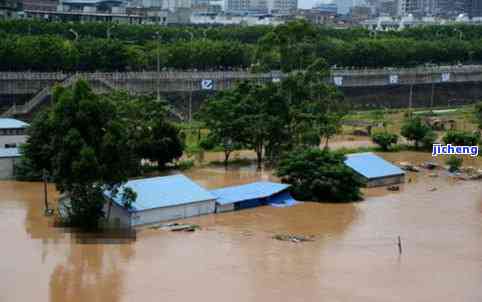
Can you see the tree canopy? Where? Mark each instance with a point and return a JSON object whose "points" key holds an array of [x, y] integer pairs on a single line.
{"points": [[319, 175]]}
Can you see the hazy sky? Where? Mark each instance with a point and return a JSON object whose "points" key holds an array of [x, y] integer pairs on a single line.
{"points": [[309, 3]]}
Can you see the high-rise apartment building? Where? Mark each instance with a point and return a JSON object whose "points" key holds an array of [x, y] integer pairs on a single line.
{"points": [[283, 6], [475, 8]]}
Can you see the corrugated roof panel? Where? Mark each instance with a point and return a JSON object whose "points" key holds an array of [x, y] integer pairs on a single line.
{"points": [[165, 191], [10, 123], [372, 166], [9, 152], [250, 191]]}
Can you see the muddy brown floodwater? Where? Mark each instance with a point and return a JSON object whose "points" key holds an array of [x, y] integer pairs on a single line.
{"points": [[233, 257]]}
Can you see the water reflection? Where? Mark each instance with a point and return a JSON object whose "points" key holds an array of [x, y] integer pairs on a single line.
{"points": [[90, 273]]}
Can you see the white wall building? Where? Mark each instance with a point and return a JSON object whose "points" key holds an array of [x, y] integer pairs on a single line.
{"points": [[12, 133], [161, 199], [8, 159]]}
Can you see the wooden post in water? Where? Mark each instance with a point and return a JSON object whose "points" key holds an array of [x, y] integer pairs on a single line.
{"points": [[44, 177], [399, 245]]}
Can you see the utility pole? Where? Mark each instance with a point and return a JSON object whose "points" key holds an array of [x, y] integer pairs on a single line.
{"points": [[109, 28], [432, 98], [158, 66]]}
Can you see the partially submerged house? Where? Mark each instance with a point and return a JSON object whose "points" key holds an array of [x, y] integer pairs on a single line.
{"points": [[12, 132], [375, 170], [8, 159], [161, 199], [252, 195]]}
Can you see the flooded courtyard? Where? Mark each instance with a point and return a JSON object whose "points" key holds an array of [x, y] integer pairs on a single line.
{"points": [[354, 255]]}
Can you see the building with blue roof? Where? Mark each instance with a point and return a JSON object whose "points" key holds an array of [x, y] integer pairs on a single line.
{"points": [[12, 132], [252, 195], [375, 170], [161, 199]]}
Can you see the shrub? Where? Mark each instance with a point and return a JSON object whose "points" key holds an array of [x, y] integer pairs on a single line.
{"points": [[454, 163], [414, 129], [319, 175], [385, 139], [462, 138]]}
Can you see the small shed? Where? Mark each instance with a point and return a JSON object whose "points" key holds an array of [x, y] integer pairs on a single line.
{"points": [[161, 199], [8, 159], [252, 195], [375, 170]]}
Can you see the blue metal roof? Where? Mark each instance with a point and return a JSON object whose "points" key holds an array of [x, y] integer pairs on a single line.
{"points": [[165, 191], [250, 191], [10, 123], [372, 166], [9, 152]]}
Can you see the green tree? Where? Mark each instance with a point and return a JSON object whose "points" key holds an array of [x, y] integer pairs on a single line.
{"points": [[151, 136], [81, 141], [319, 175], [385, 139], [220, 116], [414, 129]]}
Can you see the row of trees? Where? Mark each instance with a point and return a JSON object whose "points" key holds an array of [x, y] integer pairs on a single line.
{"points": [[141, 34], [53, 53], [43, 46], [88, 144]]}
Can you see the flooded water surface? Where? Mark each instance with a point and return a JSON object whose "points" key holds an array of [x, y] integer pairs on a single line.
{"points": [[354, 255]]}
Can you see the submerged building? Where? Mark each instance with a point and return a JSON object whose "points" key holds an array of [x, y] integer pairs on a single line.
{"points": [[12, 132], [252, 195], [375, 170], [160, 199]]}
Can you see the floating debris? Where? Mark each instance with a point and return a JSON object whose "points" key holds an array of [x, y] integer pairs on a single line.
{"points": [[430, 165], [185, 228], [409, 167], [293, 238], [176, 227], [433, 189], [433, 175], [393, 188]]}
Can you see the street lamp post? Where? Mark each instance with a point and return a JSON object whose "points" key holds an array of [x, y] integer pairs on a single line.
{"points": [[109, 28], [191, 35], [158, 35], [76, 34]]}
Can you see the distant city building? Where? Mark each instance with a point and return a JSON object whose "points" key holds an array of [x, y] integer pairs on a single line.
{"points": [[344, 6], [246, 6], [475, 9], [330, 8], [9, 8], [317, 16], [283, 6], [40, 5], [387, 8], [360, 13]]}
